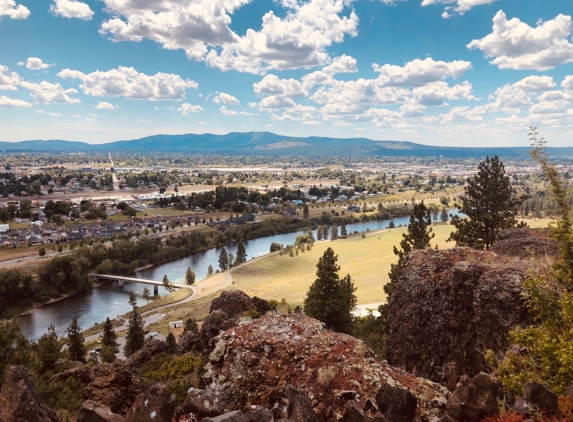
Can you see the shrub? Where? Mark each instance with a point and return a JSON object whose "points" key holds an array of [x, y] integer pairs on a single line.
{"points": [[165, 367]]}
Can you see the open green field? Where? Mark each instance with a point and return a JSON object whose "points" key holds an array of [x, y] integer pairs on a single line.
{"points": [[366, 260]]}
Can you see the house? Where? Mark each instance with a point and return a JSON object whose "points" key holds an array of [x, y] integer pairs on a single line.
{"points": [[176, 324], [290, 213], [4, 228]]}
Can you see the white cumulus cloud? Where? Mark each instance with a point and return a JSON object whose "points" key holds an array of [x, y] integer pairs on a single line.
{"points": [[514, 44], [536, 83], [226, 99], [12, 10], [459, 6], [8, 81], [186, 109], [225, 112], [421, 72], [104, 105], [11, 102], [129, 83], [71, 9], [47, 93], [34, 63], [273, 85]]}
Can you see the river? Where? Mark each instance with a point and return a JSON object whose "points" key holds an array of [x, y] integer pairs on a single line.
{"points": [[108, 300]]}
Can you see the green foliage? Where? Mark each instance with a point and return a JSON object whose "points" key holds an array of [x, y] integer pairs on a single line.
{"points": [[108, 354], [544, 351], [223, 260], [191, 325], [132, 298], [189, 277], [109, 337], [49, 350], [275, 247], [210, 271], [241, 254], [489, 204], [331, 299], [66, 395], [76, 348], [42, 252], [418, 236], [252, 314], [165, 367], [180, 389], [14, 348], [372, 331], [135, 337]]}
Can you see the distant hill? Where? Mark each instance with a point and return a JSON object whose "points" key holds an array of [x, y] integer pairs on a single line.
{"points": [[266, 143]]}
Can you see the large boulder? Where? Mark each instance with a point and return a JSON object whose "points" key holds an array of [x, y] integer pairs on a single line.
{"points": [[115, 385], [235, 303], [257, 361], [473, 399], [190, 343], [203, 404], [154, 405], [448, 307], [396, 404], [92, 411], [521, 242], [146, 353], [20, 399], [215, 322], [537, 398]]}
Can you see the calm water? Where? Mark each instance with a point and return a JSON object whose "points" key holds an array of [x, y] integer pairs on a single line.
{"points": [[109, 300]]}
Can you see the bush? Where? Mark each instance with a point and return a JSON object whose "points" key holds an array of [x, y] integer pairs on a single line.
{"points": [[165, 367], [42, 252]]}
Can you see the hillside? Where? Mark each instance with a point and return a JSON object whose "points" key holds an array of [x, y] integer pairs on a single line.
{"points": [[266, 143]]}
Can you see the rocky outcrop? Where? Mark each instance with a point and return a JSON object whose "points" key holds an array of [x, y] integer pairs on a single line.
{"points": [[190, 343], [519, 243], [536, 398], [254, 363], [203, 404], [115, 385], [215, 322], [235, 303], [154, 405], [20, 399], [147, 352], [474, 399], [396, 404], [92, 411], [448, 307]]}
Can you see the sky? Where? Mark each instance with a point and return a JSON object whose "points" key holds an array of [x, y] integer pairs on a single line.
{"points": [[438, 72]]}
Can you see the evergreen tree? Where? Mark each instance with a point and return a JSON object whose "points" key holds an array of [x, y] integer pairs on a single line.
{"points": [[171, 343], [210, 271], [49, 349], [76, 347], [189, 277], [418, 236], [132, 298], [330, 299], [319, 234], [223, 260], [241, 254], [108, 354], [489, 204], [231, 258], [135, 337], [146, 294], [343, 231], [444, 217], [191, 325], [333, 233], [109, 337], [325, 232], [310, 234], [305, 212], [14, 347]]}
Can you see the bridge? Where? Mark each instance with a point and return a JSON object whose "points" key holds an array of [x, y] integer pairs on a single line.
{"points": [[122, 280]]}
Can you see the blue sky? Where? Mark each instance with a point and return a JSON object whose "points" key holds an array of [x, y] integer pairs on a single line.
{"points": [[441, 72]]}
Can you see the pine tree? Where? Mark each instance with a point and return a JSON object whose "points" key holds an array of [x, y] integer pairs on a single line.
{"points": [[210, 271], [231, 258], [223, 260], [146, 294], [305, 212], [49, 349], [310, 234], [132, 299], [171, 343], [191, 326], [76, 347], [330, 299], [319, 234], [333, 233], [418, 236], [241, 254], [109, 337], [135, 337], [343, 231], [189, 277], [489, 204], [444, 217]]}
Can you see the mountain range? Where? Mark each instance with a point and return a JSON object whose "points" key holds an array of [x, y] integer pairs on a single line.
{"points": [[266, 143]]}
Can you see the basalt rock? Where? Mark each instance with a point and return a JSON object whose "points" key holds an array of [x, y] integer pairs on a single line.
{"points": [[190, 343], [234, 303], [215, 322], [147, 352], [154, 405], [521, 242], [92, 411], [115, 385], [536, 397], [396, 404], [448, 306], [203, 404], [294, 366], [474, 399], [20, 399]]}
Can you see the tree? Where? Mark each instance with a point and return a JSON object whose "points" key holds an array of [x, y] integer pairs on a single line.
{"points": [[275, 247], [489, 204], [305, 212], [189, 277], [391, 224], [418, 236], [76, 347], [171, 343], [319, 234], [146, 294], [330, 299], [135, 337], [42, 252], [210, 271], [191, 326], [241, 254], [108, 354], [231, 258], [333, 233], [223, 260], [109, 337], [49, 349], [444, 216], [132, 299], [343, 231], [167, 285]]}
